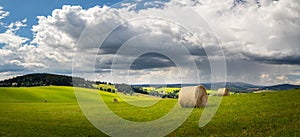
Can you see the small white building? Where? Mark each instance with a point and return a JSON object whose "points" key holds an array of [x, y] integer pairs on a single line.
{"points": [[14, 84]]}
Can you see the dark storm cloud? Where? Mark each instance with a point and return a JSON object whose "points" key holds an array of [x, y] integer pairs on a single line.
{"points": [[195, 50], [286, 60], [117, 38], [151, 60], [145, 61], [124, 33], [102, 71]]}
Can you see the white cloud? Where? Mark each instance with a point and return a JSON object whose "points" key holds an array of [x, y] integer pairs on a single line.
{"points": [[282, 78], [11, 40], [15, 52], [265, 76], [297, 82], [3, 13], [9, 37], [271, 31]]}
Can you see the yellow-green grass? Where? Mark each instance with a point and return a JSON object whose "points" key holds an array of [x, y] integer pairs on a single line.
{"points": [[23, 112], [148, 89], [37, 94], [167, 89], [214, 92], [162, 89], [210, 91]]}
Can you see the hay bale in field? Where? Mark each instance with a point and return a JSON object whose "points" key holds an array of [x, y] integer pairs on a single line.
{"points": [[223, 92], [193, 97], [115, 100]]}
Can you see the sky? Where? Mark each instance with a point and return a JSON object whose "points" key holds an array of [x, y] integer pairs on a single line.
{"points": [[143, 41]]}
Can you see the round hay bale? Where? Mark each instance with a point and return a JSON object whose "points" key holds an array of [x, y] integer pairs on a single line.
{"points": [[193, 97], [115, 100], [223, 92]]}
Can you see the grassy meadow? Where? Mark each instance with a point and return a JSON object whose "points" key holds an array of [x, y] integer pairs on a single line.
{"points": [[54, 111], [162, 89]]}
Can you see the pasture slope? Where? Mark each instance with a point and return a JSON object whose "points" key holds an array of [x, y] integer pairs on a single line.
{"points": [[53, 111]]}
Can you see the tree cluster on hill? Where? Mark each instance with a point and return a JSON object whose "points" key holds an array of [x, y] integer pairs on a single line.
{"points": [[138, 89], [43, 79], [101, 82], [173, 94]]}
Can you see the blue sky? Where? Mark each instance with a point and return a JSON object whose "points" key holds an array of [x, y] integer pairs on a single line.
{"points": [[30, 9]]}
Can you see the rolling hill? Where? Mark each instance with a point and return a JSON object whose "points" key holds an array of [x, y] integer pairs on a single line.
{"points": [[281, 87]]}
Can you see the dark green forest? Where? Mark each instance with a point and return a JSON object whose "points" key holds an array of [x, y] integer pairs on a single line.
{"points": [[44, 79]]}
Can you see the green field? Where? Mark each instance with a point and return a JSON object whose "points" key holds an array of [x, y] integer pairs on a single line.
{"points": [[53, 111], [161, 89], [148, 89], [167, 89]]}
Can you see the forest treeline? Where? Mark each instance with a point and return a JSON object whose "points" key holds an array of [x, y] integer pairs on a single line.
{"points": [[44, 79]]}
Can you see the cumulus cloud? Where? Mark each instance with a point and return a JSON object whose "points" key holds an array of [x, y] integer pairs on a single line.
{"points": [[297, 82], [269, 33], [3, 13], [12, 57], [9, 37], [15, 26]]}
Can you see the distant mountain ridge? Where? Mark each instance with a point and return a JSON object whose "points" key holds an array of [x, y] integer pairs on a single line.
{"points": [[232, 86], [281, 87]]}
